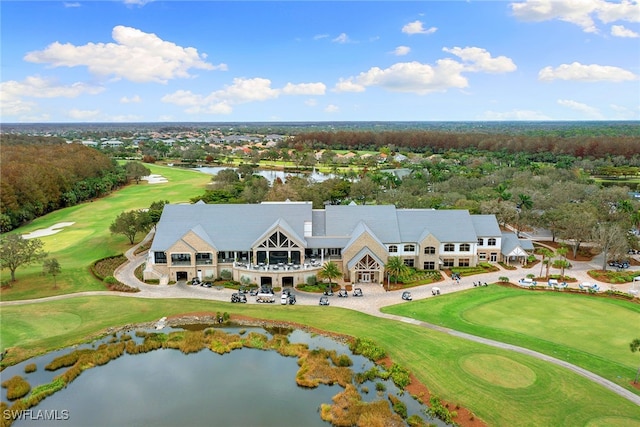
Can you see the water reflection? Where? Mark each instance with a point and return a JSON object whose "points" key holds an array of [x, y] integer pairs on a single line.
{"points": [[246, 387], [272, 175]]}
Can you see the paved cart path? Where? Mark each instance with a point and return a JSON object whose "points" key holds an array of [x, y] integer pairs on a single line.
{"points": [[375, 298]]}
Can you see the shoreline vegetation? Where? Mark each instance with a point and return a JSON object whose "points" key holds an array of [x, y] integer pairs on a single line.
{"points": [[318, 366]]}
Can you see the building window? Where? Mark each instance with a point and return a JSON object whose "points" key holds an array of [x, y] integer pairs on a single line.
{"points": [[429, 265], [449, 247], [180, 259], [447, 262], [408, 262], [480, 242], [160, 257], [463, 262], [465, 247], [393, 249], [429, 250], [409, 248], [482, 256], [494, 257], [335, 251], [204, 258], [492, 242]]}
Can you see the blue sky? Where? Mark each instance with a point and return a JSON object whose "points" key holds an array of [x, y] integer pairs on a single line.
{"points": [[155, 61]]}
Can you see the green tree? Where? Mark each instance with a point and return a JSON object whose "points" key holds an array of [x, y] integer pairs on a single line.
{"points": [[155, 211], [52, 266], [546, 260], [136, 170], [635, 346], [130, 224], [16, 251], [330, 270], [396, 267]]}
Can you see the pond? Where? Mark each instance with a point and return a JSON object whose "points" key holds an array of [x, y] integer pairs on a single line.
{"points": [[272, 175], [165, 387]]}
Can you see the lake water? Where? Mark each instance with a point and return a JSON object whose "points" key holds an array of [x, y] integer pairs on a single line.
{"points": [[271, 175], [246, 387]]}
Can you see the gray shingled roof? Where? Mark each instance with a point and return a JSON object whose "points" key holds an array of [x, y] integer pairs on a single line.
{"points": [[486, 225], [445, 225], [230, 227], [510, 242], [381, 219]]}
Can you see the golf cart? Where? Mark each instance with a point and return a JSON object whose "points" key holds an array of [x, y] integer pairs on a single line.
{"points": [[342, 293], [328, 291], [324, 301], [238, 297], [357, 292], [406, 295], [435, 291]]}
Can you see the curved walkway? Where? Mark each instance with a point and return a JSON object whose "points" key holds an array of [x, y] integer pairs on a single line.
{"points": [[375, 298]]}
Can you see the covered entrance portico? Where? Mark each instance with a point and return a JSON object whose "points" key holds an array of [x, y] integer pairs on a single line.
{"points": [[366, 267]]}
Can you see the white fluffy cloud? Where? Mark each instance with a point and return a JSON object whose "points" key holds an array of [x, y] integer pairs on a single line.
{"points": [[38, 87], [413, 77], [478, 59], [586, 110], [586, 73], [304, 89], [136, 56], [621, 31], [417, 27], [578, 12], [12, 93], [422, 79], [401, 50], [331, 108], [241, 91]]}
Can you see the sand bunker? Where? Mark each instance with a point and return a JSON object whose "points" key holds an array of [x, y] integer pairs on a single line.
{"points": [[155, 179], [47, 231]]}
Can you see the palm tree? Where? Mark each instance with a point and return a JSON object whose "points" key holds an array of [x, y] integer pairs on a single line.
{"points": [[546, 253], [524, 201], [395, 266], [330, 270], [503, 194], [635, 346], [562, 251]]}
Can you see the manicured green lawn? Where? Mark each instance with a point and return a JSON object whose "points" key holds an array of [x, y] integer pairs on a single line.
{"points": [[89, 239], [592, 332], [500, 387]]}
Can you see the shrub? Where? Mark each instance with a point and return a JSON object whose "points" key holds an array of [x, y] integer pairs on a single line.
{"points": [[31, 367], [312, 281], [226, 274], [367, 348], [503, 279], [380, 386], [106, 266], [399, 376], [110, 280]]}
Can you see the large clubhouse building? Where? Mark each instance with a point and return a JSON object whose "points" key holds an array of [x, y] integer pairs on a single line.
{"points": [[283, 243]]}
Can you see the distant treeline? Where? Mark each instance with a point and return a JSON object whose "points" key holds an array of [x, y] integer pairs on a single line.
{"points": [[439, 142], [41, 174]]}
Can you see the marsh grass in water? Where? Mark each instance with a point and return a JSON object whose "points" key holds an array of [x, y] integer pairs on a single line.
{"points": [[348, 409], [17, 387], [317, 366]]}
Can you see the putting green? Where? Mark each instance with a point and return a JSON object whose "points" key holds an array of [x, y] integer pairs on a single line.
{"points": [[39, 325], [498, 370]]}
